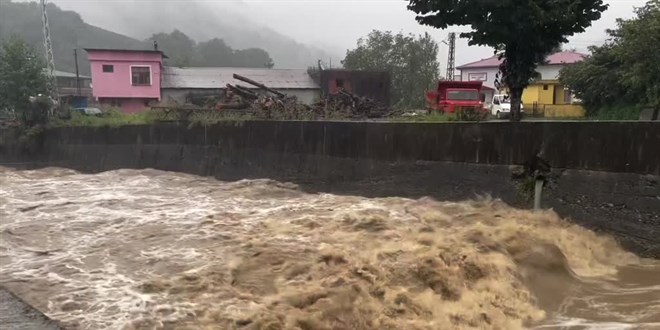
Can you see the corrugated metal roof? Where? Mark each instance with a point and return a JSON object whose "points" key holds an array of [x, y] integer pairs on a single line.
{"points": [[117, 50], [565, 58], [201, 78], [556, 58]]}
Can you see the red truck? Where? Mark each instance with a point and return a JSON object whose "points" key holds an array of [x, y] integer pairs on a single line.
{"points": [[454, 95]]}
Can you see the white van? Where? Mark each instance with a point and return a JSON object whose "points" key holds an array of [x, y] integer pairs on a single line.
{"points": [[501, 106]]}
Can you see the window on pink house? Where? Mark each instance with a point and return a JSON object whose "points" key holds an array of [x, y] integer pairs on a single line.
{"points": [[108, 68], [141, 75]]}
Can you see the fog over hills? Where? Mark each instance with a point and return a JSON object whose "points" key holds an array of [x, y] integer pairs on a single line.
{"points": [[201, 20]]}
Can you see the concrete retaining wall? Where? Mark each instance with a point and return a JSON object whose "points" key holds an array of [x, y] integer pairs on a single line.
{"points": [[602, 175], [15, 314]]}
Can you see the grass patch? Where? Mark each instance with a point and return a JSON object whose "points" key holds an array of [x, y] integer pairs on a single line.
{"points": [[435, 117], [111, 118]]}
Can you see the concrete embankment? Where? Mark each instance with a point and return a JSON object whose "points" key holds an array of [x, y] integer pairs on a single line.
{"points": [[17, 315], [603, 175]]}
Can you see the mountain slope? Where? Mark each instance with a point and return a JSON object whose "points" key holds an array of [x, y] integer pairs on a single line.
{"points": [[201, 20], [68, 31]]}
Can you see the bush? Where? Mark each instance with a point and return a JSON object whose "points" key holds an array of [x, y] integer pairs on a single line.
{"points": [[617, 112]]}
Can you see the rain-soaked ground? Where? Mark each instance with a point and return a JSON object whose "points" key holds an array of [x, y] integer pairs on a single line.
{"points": [[146, 249]]}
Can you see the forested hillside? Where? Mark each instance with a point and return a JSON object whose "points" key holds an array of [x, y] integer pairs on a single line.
{"points": [[69, 31]]}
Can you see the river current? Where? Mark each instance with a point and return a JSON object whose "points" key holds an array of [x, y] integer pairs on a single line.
{"points": [[146, 249]]}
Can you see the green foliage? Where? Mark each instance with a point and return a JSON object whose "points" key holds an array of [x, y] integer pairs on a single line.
{"points": [[214, 52], [617, 112], [623, 74], [185, 52], [177, 46], [597, 80], [114, 118], [68, 31], [21, 75], [521, 32], [637, 44], [111, 118], [230, 120], [411, 61]]}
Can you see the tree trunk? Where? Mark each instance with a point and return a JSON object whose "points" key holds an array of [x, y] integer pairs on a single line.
{"points": [[516, 101], [655, 113]]}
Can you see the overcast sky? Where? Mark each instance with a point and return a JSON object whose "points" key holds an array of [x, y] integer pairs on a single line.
{"points": [[336, 24]]}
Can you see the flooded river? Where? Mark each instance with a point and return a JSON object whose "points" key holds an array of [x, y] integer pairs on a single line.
{"points": [[145, 249]]}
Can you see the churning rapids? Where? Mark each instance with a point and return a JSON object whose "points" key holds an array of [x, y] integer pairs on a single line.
{"points": [[145, 249]]}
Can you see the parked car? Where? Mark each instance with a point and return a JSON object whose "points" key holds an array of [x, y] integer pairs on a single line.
{"points": [[501, 106]]}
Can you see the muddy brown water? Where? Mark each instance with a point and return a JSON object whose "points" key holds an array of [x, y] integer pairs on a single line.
{"points": [[146, 249]]}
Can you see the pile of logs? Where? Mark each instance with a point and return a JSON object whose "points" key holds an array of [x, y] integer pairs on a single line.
{"points": [[274, 104], [345, 104]]}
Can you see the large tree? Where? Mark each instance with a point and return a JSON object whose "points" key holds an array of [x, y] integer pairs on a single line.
{"points": [[522, 32], [180, 48], [214, 52], [184, 51], [625, 70], [252, 57], [411, 60], [21, 75]]}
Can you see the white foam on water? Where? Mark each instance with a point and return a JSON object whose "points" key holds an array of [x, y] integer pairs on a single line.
{"points": [[93, 251]]}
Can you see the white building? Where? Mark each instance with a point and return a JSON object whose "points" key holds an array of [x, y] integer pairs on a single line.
{"points": [[547, 89]]}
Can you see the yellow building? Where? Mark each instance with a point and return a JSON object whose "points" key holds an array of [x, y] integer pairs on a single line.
{"points": [[546, 97], [549, 98]]}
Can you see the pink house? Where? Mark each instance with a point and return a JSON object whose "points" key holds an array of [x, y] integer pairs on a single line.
{"points": [[129, 79]]}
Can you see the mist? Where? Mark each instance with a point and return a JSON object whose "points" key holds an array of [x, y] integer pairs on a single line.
{"points": [[322, 29]]}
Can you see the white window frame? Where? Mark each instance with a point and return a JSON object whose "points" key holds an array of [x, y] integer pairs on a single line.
{"points": [[130, 76]]}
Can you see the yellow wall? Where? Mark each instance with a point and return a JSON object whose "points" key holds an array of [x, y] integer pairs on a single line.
{"points": [[564, 110], [550, 102], [559, 94], [530, 94], [536, 94], [546, 96]]}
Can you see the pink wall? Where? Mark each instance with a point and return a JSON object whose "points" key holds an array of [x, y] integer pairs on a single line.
{"points": [[118, 84]]}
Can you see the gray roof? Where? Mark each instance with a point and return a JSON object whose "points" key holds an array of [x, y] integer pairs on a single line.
{"points": [[116, 50], [69, 75], [203, 78]]}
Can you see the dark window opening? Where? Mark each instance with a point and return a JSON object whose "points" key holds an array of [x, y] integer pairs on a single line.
{"points": [[340, 83], [108, 68], [545, 87], [141, 75]]}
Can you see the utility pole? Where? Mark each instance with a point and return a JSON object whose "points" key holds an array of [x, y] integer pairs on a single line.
{"points": [[50, 59], [451, 59], [75, 57]]}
